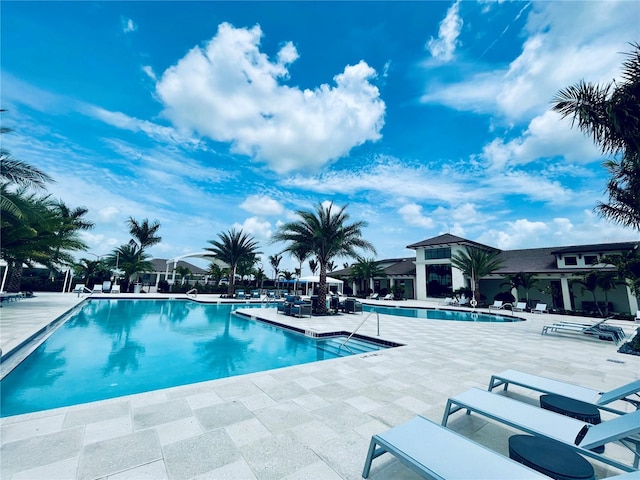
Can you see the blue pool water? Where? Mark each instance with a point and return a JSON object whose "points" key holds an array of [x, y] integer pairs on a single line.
{"points": [[110, 348], [431, 314]]}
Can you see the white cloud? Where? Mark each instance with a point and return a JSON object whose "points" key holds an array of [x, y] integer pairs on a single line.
{"points": [[412, 215], [231, 92], [547, 136], [262, 205], [443, 47], [256, 227], [148, 70], [562, 47], [128, 25]]}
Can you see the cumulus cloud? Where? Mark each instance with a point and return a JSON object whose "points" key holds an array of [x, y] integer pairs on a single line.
{"points": [[412, 215], [443, 47], [231, 92], [256, 227], [262, 205]]}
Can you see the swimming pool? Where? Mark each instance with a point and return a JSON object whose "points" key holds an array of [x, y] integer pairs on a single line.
{"points": [[109, 348], [433, 314]]}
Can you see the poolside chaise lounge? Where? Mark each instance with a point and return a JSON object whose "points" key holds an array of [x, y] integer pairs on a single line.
{"points": [[388, 296], [115, 288], [599, 330], [556, 387], [447, 301], [497, 305], [433, 451], [519, 307], [240, 294], [373, 296], [351, 305], [540, 308], [577, 434], [97, 288]]}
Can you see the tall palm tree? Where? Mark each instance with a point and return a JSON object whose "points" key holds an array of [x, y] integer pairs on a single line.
{"points": [[607, 281], [144, 232], [130, 260], [589, 283], [627, 264], [184, 273], [274, 261], [611, 115], [325, 234], [232, 248], [476, 263], [313, 266]]}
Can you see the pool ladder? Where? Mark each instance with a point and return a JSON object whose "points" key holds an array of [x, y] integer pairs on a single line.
{"points": [[194, 291], [358, 328]]}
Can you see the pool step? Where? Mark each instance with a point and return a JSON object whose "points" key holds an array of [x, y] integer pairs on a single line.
{"points": [[354, 346]]}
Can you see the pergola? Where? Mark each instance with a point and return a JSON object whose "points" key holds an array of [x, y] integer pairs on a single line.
{"points": [[204, 255]]}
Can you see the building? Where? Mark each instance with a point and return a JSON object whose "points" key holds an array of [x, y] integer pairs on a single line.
{"points": [[430, 274]]}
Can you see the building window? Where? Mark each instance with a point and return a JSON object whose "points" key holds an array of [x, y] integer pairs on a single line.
{"points": [[439, 282], [436, 253], [590, 259], [570, 260]]}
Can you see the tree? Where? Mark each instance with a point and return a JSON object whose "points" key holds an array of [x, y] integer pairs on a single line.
{"points": [[232, 248], [274, 261], [476, 263], [628, 267], [331, 266], [130, 260], [325, 234], [216, 272], [610, 114], [521, 279], [313, 266], [589, 283], [184, 273], [366, 269], [144, 232]]}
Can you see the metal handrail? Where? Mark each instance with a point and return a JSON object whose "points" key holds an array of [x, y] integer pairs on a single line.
{"points": [[194, 291], [358, 327]]}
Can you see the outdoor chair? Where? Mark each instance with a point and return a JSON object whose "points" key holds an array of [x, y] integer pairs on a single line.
{"points": [[97, 288], [351, 305], [519, 307], [241, 294], [540, 308], [373, 296], [255, 293], [599, 330], [300, 309], [576, 434], [115, 289], [388, 296], [447, 301], [497, 305], [433, 451], [569, 390]]}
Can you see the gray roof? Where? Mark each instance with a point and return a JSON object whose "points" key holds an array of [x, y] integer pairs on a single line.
{"points": [[448, 239], [597, 247], [530, 260]]}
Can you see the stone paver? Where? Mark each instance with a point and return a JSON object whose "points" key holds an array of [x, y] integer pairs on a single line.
{"points": [[306, 421]]}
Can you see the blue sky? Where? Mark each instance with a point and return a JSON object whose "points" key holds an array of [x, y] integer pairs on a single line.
{"points": [[424, 117]]}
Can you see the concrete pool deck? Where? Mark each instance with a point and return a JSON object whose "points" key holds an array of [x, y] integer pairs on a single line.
{"points": [[311, 421]]}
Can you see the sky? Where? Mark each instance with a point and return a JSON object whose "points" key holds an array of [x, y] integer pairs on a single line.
{"points": [[422, 118]]}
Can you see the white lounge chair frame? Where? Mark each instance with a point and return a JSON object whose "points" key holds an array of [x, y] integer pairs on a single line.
{"points": [[436, 452], [519, 307], [556, 387], [576, 434], [615, 334], [497, 305], [540, 308], [115, 288]]}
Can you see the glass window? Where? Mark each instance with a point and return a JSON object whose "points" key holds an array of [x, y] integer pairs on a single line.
{"points": [[434, 253], [570, 260], [590, 259]]}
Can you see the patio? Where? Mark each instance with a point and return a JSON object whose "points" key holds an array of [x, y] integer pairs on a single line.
{"points": [[307, 421]]}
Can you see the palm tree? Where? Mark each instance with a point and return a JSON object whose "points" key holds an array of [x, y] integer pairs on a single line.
{"points": [[184, 273], [331, 266], [130, 260], [476, 263], [521, 279], [627, 264], [274, 261], [607, 281], [232, 248], [366, 269], [313, 266], [589, 283], [611, 115], [144, 232], [215, 271], [326, 235]]}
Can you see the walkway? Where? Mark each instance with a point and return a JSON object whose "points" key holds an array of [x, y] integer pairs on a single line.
{"points": [[307, 421]]}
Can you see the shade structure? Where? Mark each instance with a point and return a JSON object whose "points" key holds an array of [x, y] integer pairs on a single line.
{"points": [[311, 281]]}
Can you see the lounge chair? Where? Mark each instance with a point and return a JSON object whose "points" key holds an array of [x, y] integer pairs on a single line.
{"points": [[577, 434], [599, 330], [556, 387], [97, 288], [497, 305], [388, 296], [115, 288], [540, 308], [300, 309], [351, 305], [241, 294], [519, 307], [447, 301], [433, 451], [255, 293], [373, 296]]}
